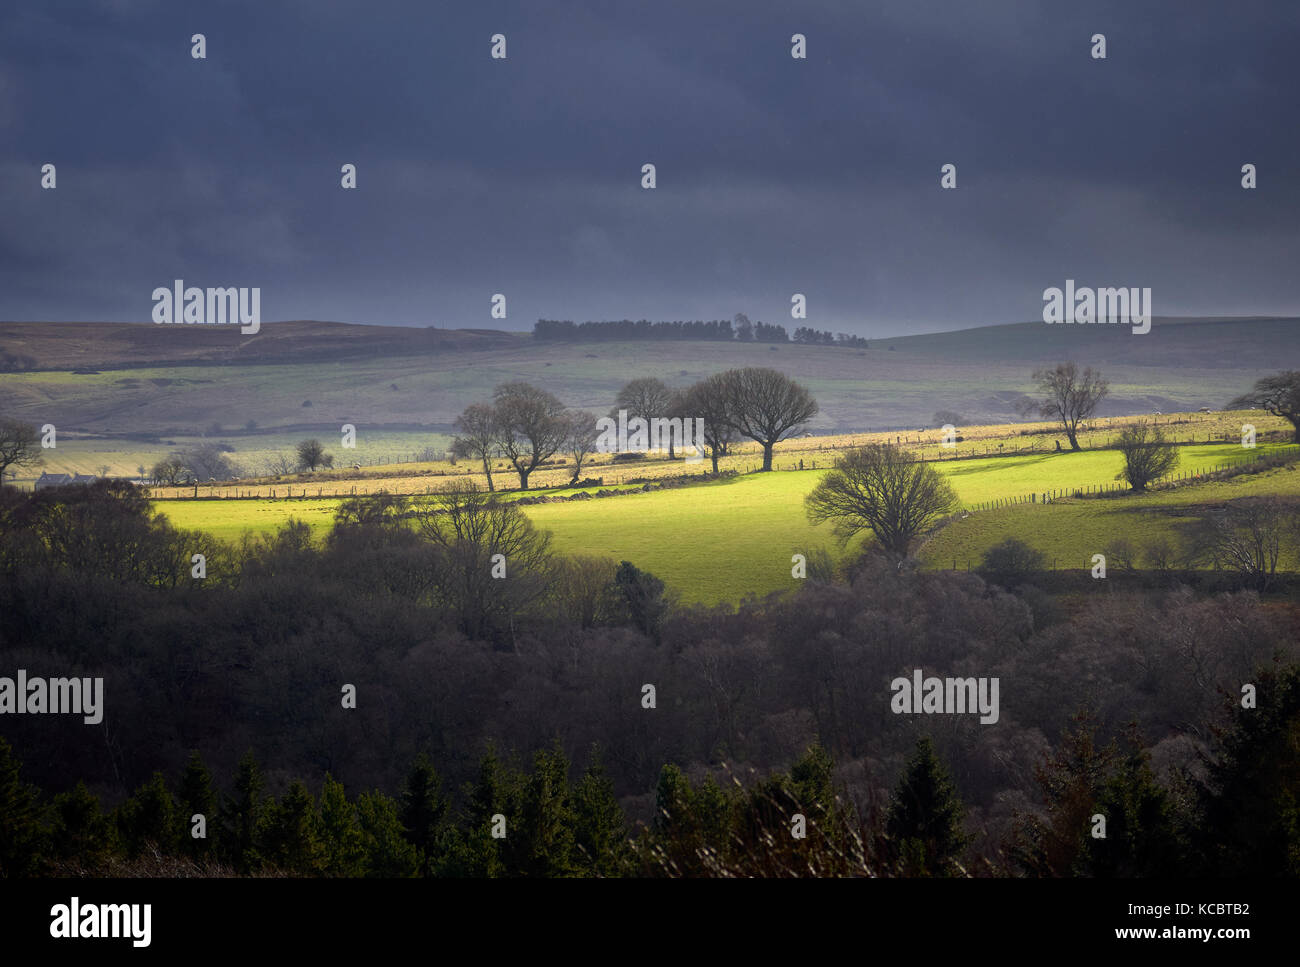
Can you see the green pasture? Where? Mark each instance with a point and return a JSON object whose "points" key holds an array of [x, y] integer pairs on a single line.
{"points": [[228, 519], [720, 540], [1070, 531]]}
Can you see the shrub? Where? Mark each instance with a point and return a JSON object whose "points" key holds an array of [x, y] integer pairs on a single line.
{"points": [[1012, 559]]}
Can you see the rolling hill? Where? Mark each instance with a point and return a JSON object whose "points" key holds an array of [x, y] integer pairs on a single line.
{"points": [[145, 380]]}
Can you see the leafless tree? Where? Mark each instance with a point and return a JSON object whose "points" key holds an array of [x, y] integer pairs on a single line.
{"points": [[479, 433], [20, 446], [767, 406], [1279, 395], [580, 441], [1247, 536], [167, 471], [207, 461], [471, 527], [884, 489], [581, 588], [280, 465], [649, 399], [531, 428], [1148, 455], [1068, 396], [709, 400]]}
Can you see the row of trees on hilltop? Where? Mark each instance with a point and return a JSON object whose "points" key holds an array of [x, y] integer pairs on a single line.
{"points": [[739, 329], [564, 330]]}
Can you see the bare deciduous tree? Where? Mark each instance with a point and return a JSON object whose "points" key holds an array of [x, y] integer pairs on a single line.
{"points": [[1246, 536], [471, 527], [202, 463], [709, 400], [767, 406], [580, 440], [1279, 395], [1148, 455], [167, 471], [1068, 396], [20, 446], [884, 489], [647, 398], [478, 436], [581, 589], [531, 426], [280, 465]]}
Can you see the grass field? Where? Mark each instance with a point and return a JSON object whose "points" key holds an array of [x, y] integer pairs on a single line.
{"points": [[813, 452], [1070, 531], [719, 540], [227, 519]]}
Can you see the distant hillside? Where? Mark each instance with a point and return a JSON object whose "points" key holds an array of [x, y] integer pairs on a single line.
{"points": [[104, 345], [1210, 343], [147, 379]]}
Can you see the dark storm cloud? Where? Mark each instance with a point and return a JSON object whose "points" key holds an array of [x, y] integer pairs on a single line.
{"points": [[775, 176]]}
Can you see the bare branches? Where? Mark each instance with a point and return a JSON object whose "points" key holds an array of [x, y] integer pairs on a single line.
{"points": [[1148, 455], [1279, 395], [884, 489], [767, 406], [1069, 397]]}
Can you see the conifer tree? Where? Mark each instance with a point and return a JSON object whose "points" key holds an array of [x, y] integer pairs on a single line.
{"points": [[196, 797], [1073, 781], [23, 832], [924, 823], [497, 792], [81, 832], [423, 810], [241, 815], [148, 819], [673, 797], [388, 854], [813, 780], [674, 845], [546, 845], [1249, 803], [601, 839], [712, 816], [1140, 838], [340, 831], [289, 837]]}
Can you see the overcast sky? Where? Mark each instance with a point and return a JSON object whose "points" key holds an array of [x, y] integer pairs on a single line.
{"points": [[523, 176]]}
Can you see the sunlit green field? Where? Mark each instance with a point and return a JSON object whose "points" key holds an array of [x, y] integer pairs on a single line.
{"points": [[406, 467], [721, 540], [1069, 532]]}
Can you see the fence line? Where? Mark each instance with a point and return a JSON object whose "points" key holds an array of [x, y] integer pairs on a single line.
{"points": [[346, 488], [1110, 487]]}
